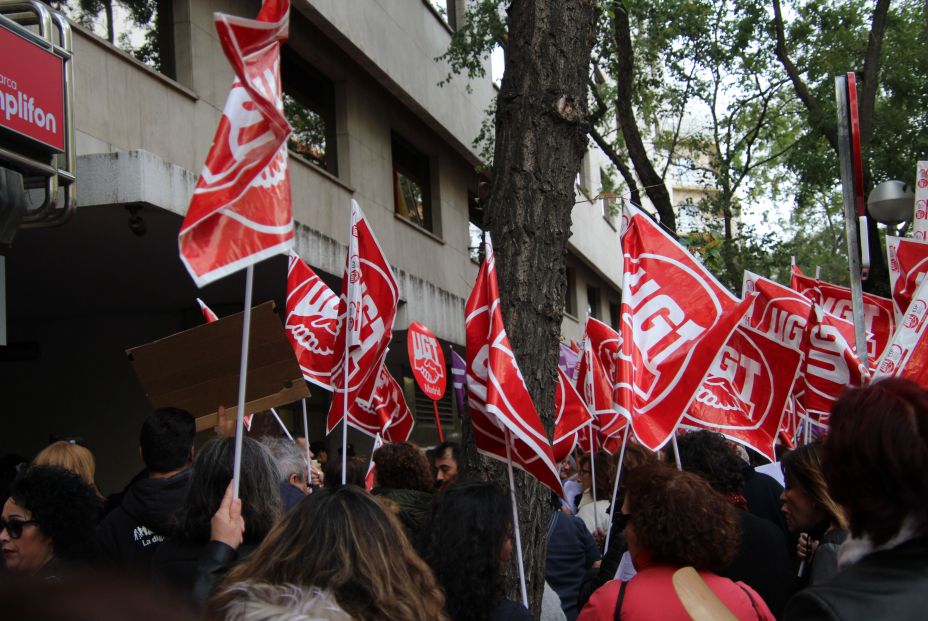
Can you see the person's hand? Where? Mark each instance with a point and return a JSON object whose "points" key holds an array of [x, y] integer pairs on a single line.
{"points": [[806, 546], [227, 525], [316, 472], [225, 428], [599, 537]]}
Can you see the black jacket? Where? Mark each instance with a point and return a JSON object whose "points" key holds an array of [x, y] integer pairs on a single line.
{"points": [[762, 492], [195, 569], [130, 534], [887, 584], [763, 562]]}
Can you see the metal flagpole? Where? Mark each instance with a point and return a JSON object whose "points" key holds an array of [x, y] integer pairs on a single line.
{"points": [[615, 487], [242, 377], [345, 408], [593, 479], [515, 519], [309, 468], [281, 423], [854, 217], [676, 449]]}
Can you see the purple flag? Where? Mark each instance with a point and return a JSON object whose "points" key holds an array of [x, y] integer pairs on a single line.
{"points": [[459, 379], [567, 360]]}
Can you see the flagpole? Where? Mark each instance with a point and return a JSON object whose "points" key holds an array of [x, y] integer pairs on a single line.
{"points": [[593, 479], [345, 409], [309, 467], [615, 487], [242, 377], [515, 518], [676, 449], [441, 436], [281, 423]]}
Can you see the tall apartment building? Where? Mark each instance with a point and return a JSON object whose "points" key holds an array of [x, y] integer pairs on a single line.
{"points": [[361, 89]]}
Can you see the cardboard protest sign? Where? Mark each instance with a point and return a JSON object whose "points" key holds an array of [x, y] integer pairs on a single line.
{"points": [[198, 369]]}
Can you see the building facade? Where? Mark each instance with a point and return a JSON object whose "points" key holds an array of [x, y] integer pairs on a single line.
{"points": [[371, 123]]}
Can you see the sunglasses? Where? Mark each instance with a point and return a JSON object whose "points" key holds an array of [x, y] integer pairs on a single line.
{"points": [[14, 526], [622, 520]]}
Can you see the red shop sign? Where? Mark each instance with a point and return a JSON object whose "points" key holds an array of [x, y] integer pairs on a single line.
{"points": [[31, 91], [427, 359]]}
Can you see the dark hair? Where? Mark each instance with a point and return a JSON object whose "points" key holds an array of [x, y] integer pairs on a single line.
{"points": [[64, 505], [708, 454], [876, 455], [439, 451], [166, 439], [400, 465], [462, 542], [319, 446], [605, 473], [802, 467], [342, 541], [332, 474], [259, 490], [680, 519]]}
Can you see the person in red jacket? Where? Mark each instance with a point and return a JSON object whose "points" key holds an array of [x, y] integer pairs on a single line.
{"points": [[670, 520]]}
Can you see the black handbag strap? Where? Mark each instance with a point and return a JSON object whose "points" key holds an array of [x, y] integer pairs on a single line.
{"points": [[618, 602]]}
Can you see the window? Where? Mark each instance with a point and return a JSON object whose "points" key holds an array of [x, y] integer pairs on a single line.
{"points": [[309, 105], [592, 300], [412, 189], [570, 299], [475, 225], [614, 315]]}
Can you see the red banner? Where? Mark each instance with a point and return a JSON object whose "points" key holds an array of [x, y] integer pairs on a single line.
{"points": [[675, 318], [745, 394], [879, 315], [208, 313], [907, 355], [312, 322], [501, 408], [427, 360], [908, 264], [366, 311], [572, 415], [240, 212], [381, 409]]}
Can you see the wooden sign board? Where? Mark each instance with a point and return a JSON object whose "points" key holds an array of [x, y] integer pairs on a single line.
{"points": [[198, 369]]}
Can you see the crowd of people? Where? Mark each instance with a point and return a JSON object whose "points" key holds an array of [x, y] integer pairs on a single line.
{"points": [[845, 538]]}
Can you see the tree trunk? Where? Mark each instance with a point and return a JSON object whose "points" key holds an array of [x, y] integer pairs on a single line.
{"points": [[541, 126], [110, 27]]}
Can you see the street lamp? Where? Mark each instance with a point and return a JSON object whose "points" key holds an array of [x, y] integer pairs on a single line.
{"points": [[891, 203]]}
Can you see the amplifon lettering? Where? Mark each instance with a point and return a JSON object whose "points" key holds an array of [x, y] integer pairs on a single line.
{"points": [[23, 106]]}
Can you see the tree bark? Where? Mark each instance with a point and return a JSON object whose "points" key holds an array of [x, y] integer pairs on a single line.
{"points": [[541, 127], [625, 60]]}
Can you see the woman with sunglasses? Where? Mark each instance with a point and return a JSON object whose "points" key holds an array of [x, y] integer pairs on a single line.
{"points": [[670, 520], [47, 523]]}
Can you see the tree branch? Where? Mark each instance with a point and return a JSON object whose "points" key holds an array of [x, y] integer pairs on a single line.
{"points": [[867, 97], [802, 91]]}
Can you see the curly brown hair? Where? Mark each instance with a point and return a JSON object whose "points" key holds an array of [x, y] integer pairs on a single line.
{"points": [[400, 465], [605, 473], [680, 519]]}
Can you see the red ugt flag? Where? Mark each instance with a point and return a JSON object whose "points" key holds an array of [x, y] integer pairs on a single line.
{"points": [[879, 315], [366, 312], [745, 394], [498, 400], [596, 379], [312, 322], [381, 408], [572, 415], [675, 318], [208, 313], [908, 264], [240, 212], [907, 355]]}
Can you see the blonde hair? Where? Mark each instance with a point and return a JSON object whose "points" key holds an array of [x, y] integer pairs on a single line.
{"points": [[343, 542], [72, 457]]}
